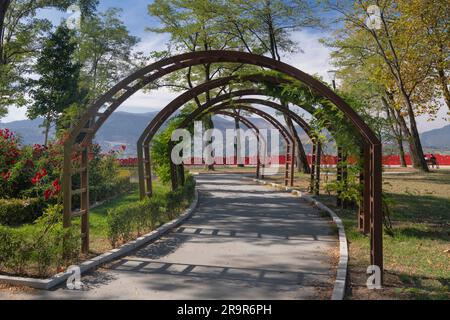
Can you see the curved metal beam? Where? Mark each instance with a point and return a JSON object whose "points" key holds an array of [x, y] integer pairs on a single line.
{"points": [[82, 132], [290, 143]]}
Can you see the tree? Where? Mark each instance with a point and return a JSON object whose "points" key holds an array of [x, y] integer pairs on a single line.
{"points": [[21, 38], [194, 26], [264, 27], [58, 85], [428, 22], [397, 57], [105, 51]]}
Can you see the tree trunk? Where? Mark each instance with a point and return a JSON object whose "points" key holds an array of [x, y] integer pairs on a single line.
{"points": [[396, 130], [419, 161], [4, 5], [401, 151], [302, 160], [47, 130], [444, 86]]}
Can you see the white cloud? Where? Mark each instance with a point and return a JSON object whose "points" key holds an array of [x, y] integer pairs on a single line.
{"points": [[152, 42], [146, 102], [315, 58], [15, 114]]}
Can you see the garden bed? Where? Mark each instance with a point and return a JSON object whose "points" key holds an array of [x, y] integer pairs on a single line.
{"points": [[112, 224]]}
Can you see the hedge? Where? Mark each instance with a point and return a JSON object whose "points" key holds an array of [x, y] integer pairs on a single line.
{"points": [[36, 252], [15, 212], [124, 222]]}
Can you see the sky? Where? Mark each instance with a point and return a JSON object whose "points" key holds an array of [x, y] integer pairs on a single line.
{"points": [[313, 60]]}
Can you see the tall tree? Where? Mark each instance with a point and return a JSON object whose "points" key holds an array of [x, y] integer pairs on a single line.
{"points": [[194, 26], [265, 27], [399, 59], [105, 51], [428, 22], [21, 36], [58, 85]]}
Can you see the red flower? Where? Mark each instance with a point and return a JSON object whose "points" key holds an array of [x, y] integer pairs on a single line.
{"points": [[56, 186], [55, 182], [123, 147], [36, 178], [44, 172], [6, 175], [47, 194]]}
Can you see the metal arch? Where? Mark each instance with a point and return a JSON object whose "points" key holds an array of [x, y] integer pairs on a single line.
{"points": [[249, 125], [93, 118], [299, 120], [125, 88], [290, 149], [269, 118]]}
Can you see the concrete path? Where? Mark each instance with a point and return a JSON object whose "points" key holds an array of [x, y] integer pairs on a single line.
{"points": [[245, 241]]}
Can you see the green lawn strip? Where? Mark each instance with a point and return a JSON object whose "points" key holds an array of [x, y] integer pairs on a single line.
{"points": [[416, 254]]}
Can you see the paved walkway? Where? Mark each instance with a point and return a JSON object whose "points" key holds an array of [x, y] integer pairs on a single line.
{"points": [[245, 241]]}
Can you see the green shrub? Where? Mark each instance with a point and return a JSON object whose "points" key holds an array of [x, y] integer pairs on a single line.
{"points": [[47, 246], [126, 221], [14, 212]]}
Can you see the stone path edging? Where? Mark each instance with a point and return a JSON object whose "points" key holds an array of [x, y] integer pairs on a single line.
{"points": [[47, 284], [341, 274]]}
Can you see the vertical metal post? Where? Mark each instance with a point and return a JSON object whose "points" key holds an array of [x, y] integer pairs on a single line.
{"points": [[292, 169], [85, 200], [258, 159], [141, 170], [287, 163], [313, 166], [339, 173], [364, 177], [181, 177], [318, 167], [376, 215], [67, 185], [148, 171], [173, 175]]}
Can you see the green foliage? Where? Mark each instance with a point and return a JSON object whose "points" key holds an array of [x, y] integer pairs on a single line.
{"points": [[105, 51], [15, 212], [47, 246], [161, 149], [22, 33], [58, 85], [126, 221]]}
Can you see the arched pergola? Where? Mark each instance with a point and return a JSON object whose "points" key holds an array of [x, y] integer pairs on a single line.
{"points": [[150, 130], [81, 134], [289, 139]]}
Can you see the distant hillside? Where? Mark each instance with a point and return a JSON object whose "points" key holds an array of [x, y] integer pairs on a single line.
{"points": [[125, 128], [437, 139], [121, 128]]}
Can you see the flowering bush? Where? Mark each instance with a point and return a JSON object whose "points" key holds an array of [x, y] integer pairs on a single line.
{"points": [[9, 153]]}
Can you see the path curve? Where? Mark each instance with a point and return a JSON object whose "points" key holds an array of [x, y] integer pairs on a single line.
{"points": [[245, 241]]}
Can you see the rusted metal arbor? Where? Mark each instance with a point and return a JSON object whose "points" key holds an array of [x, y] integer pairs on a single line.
{"points": [[81, 134]]}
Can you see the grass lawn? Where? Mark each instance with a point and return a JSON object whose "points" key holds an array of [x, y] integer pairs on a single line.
{"points": [[417, 256]]}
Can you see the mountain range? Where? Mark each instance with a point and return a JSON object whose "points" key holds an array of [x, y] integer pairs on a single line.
{"points": [[123, 128]]}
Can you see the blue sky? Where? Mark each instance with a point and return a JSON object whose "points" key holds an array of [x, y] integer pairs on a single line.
{"points": [[313, 60]]}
